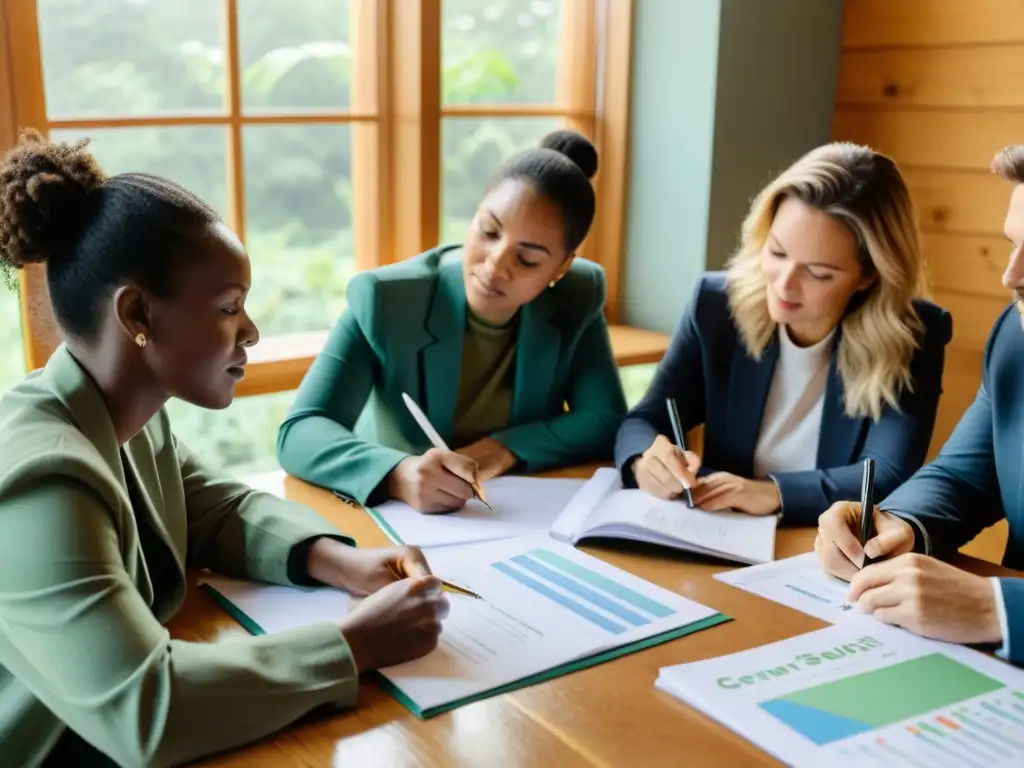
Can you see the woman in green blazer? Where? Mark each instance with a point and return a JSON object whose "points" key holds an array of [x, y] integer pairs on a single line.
{"points": [[102, 509], [501, 341]]}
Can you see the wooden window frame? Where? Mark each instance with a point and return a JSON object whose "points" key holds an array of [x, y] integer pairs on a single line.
{"points": [[395, 122]]}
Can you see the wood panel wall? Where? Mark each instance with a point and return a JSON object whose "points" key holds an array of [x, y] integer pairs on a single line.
{"points": [[939, 86]]}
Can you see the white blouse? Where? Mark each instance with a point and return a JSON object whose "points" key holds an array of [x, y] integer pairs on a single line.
{"points": [[791, 424]]}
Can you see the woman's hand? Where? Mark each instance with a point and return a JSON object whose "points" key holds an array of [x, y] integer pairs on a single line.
{"points": [[437, 481], [363, 571], [491, 457], [662, 469], [722, 490], [401, 618], [398, 623]]}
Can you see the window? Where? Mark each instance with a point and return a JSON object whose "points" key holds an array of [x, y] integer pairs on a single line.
{"points": [[332, 135]]}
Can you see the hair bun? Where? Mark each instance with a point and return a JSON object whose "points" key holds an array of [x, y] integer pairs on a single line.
{"points": [[43, 190], [576, 147]]}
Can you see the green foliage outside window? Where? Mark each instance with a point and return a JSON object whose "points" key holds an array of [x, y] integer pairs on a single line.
{"points": [[142, 57]]}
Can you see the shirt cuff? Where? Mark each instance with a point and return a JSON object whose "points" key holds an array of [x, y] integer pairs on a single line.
{"points": [[1004, 625]]}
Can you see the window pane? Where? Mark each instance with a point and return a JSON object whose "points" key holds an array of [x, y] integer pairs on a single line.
{"points": [[295, 54], [131, 57], [636, 379], [240, 439], [194, 157], [499, 51], [12, 354], [298, 196], [474, 149]]}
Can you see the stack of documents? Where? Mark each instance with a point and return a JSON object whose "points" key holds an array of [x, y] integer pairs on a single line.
{"points": [[861, 693], [546, 609], [604, 509], [520, 506]]}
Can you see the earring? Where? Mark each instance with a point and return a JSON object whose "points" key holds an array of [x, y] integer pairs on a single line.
{"points": [[552, 284], [141, 340]]}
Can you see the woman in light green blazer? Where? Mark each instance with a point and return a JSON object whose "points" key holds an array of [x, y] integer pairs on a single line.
{"points": [[501, 341], [102, 509]]}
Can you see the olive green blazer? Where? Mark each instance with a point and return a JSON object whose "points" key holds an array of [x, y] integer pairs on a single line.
{"points": [[87, 582], [403, 332]]}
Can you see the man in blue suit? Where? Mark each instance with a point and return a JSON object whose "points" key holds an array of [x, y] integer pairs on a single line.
{"points": [[976, 480]]}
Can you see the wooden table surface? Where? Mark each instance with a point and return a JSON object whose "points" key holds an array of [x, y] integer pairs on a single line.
{"points": [[608, 715]]}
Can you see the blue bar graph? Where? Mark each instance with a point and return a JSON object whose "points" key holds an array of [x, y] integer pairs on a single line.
{"points": [[566, 602], [578, 589], [595, 579]]}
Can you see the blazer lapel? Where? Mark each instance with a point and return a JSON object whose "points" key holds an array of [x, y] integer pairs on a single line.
{"points": [[91, 417], [839, 433], [539, 346], [442, 358], [749, 382]]}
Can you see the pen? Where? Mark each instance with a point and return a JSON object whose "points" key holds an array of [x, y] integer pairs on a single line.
{"points": [[447, 586], [437, 441], [677, 430], [867, 505]]}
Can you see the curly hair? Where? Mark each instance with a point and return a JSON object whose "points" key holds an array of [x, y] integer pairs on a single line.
{"points": [[94, 233]]}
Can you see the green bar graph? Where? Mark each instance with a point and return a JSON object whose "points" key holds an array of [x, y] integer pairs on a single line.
{"points": [[870, 700]]}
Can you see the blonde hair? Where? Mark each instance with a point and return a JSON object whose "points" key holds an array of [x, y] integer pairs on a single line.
{"points": [[880, 329], [1009, 164]]}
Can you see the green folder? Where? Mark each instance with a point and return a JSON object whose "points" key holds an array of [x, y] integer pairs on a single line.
{"points": [[583, 663]]}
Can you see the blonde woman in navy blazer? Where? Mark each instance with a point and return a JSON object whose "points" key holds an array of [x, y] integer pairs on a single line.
{"points": [[812, 352]]}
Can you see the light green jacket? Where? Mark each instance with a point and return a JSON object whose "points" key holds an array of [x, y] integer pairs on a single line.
{"points": [[403, 332], [82, 607]]}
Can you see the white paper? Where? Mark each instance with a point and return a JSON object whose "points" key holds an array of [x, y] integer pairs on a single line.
{"points": [[544, 604], [604, 508], [276, 608], [520, 506], [797, 582], [862, 693]]}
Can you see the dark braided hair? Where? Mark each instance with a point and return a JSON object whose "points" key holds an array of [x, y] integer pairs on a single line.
{"points": [[94, 233], [560, 170]]}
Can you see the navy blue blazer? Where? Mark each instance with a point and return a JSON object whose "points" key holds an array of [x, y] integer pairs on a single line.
{"points": [[717, 384], [976, 480]]}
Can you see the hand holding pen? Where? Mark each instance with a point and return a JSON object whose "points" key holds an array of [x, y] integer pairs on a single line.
{"points": [[439, 480], [666, 469]]}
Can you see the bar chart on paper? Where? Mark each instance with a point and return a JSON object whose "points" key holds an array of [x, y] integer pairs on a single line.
{"points": [[988, 733], [603, 602], [863, 694], [931, 691]]}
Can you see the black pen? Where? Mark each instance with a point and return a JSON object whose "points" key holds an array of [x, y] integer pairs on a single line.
{"points": [[867, 506], [677, 430]]}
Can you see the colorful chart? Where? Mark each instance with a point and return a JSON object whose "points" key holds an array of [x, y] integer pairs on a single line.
{"points": [[587, 593], [853, 705]]}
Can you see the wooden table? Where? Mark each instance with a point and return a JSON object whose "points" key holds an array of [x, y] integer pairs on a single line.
{"points": [[608, 715]]}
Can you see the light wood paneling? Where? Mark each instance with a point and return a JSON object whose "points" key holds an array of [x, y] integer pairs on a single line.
{"points": [[973, 316], [877, 23], [986, 76], [931, 138], [939, 86], [958, 201], [967, 263]]}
